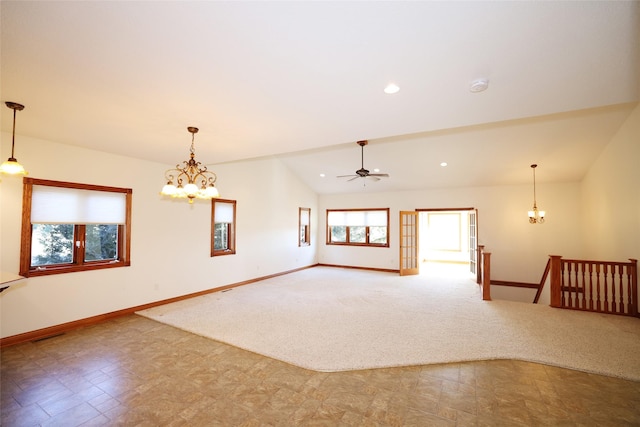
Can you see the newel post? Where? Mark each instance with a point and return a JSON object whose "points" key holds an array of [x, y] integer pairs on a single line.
{"points": [[479, 264], [486, 276], [556, 281]]}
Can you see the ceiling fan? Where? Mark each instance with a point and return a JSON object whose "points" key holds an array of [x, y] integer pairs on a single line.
{"points": [[362, 172]]}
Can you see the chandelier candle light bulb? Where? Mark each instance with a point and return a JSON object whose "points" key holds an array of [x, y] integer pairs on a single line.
{"points": [[199, 183]]}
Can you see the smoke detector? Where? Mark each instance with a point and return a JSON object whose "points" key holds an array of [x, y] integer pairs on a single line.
{"points": [[479, 85]]}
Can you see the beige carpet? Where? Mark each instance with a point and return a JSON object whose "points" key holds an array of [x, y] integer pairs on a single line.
{"points": [[333, 319]]}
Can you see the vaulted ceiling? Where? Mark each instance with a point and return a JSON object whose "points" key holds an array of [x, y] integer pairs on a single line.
{"points": [[303, 81]]}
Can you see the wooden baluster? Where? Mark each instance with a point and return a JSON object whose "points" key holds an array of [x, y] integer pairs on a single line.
{"points": [[566, 284], [590, 286], [621, 288], [573, 298], [605, 274], [556, 281], [583, 285], [614, 307], [628, 288], [599, 307]]}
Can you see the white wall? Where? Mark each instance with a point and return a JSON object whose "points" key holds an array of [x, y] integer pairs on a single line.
{"points": [[597, 219], [519, 250], [170, 242], [611, 197]]}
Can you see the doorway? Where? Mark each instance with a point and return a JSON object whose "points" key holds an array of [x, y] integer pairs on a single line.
{"points": [[447, 241]]}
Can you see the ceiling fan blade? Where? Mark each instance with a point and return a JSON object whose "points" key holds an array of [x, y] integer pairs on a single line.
{"points": [[355, 177], [346, 176], [382, 175], [373, 178]]}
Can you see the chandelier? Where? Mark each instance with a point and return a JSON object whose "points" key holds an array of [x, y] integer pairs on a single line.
{"points": [[193, 180], [11, 166], [535, 216]]}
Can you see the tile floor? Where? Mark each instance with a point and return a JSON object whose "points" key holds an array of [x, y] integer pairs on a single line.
{"points": [[133, 371]]}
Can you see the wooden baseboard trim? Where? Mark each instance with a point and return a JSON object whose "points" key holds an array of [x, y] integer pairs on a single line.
{"points": [[386, 270], [514, 284], [51, 331]]}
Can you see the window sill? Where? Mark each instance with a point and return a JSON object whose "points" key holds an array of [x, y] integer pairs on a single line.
{"points": [[47, 271]]}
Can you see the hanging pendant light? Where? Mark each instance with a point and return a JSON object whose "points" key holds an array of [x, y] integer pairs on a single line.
{"points": [[535, 216], [193, 180], [11, 166]]}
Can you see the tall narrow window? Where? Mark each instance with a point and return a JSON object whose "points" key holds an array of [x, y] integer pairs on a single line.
{"points": [[223, 232], [304, 226], [69, 227], [358, 227]]}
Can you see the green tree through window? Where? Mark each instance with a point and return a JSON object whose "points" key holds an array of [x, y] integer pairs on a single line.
{"points": [[54, 243], [101, 242]]}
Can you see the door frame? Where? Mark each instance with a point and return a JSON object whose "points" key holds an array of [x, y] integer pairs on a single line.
{"points": [[473, 252]]}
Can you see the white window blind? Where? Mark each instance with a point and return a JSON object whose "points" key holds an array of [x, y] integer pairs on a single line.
{"points": [[59, 205], [223, 212], [357, 218]]}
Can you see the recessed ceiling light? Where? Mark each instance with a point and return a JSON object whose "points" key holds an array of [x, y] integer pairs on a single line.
{"points": [[322, 175], [391, 88], [443, 164], [376, 170], [479, 85]]}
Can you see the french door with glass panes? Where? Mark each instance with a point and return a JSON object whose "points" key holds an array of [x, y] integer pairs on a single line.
{"points": [[409, 264]]}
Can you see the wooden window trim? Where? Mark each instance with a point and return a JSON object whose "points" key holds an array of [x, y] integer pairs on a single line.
{"points": [[348, 243], [124, 231], [231, 242]]}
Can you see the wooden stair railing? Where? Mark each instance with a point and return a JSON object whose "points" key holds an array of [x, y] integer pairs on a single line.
{"points": [[547, 269], [598, 286]]}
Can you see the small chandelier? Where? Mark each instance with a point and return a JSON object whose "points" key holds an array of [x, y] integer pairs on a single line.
{"points": [[535, 216], [11, 166], [193, 180]]}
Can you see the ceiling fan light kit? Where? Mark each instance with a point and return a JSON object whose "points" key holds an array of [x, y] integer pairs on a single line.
{"points": [[362, 172]]}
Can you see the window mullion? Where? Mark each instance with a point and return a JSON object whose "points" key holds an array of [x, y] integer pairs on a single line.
{"points": [[80, 231]]}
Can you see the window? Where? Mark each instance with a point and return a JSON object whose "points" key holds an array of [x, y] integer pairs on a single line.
{"points": [[69, 227], [223, 230], [304, 226], [358, 227]]}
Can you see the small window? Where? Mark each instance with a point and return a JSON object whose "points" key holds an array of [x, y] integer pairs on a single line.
{"points": [[223, 233], [304, 226], [69, 227], [358, 227]]}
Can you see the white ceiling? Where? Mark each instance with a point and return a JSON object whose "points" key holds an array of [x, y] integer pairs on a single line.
{"points": [[304, 81]]}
